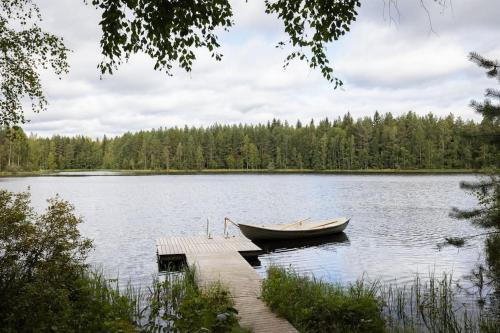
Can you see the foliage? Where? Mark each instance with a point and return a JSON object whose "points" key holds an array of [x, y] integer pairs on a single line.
{"points": [[177, 304], [493, 256], [430, 305], [489, 111], [312, 24], [314, 306], [168, 31], [45, 284], [381, 142], [487, 189], [25, 49]]}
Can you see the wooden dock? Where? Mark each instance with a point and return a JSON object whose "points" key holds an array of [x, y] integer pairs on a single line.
{"points": [[221, 259]]}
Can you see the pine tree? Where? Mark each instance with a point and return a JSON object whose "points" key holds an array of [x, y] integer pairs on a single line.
{"points": [[179, 157], [253, 156], [487, 190], [51, 158], [166, 152], [406, 141], [199, 159]]}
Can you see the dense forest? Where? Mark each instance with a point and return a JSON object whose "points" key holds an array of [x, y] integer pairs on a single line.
{"points": [[408, 141]]}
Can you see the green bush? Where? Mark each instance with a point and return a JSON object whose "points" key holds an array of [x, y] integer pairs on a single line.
{"points": [[45, 284], [314, 306], [493, 258]]}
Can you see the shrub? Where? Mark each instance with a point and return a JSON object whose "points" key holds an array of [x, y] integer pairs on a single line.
{"points": [[45, 284], [314, 306]]}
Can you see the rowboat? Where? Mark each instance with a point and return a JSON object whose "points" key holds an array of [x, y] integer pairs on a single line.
{"points": [[295, 230]]}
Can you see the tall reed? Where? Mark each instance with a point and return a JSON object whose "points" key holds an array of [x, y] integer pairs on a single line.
{"points": [[427, 305], [174, 303]]}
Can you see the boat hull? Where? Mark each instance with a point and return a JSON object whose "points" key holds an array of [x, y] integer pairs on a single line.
{"points": [[260, 233]]}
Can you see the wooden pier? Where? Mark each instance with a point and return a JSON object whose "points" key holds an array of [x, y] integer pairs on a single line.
{"points": [[221, 259]]}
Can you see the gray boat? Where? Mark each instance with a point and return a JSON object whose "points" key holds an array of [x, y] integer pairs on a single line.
{"points": [[299, 229]]}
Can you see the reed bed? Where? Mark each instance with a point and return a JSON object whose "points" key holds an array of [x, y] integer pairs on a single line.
{"points": [[427, 305], [432, 305]]}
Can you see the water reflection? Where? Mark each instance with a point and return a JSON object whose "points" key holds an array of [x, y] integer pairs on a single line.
{"points": [[397, 221], [283, 245]]}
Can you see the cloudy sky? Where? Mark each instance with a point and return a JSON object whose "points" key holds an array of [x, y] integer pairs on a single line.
{"points": [[390, 65]]}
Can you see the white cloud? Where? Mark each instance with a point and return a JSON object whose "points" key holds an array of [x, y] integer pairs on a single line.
{"points": [[385, 67]]}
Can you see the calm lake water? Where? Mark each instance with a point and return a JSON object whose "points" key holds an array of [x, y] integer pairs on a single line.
{"points": [[397, 220]]}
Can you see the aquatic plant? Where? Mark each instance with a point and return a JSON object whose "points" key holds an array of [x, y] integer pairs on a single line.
{"points": [[455, 241], [426, 305]]}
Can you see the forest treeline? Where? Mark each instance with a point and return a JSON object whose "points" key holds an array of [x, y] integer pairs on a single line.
{"points": [[383, 141]]}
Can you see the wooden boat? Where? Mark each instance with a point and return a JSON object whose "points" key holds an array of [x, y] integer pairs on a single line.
{"points": [[299, 229]]}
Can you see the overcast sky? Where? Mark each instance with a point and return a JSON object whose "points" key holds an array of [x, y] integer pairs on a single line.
{"points": [[385, 65]]}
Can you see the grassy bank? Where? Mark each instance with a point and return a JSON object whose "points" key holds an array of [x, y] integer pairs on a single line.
{"points": [[312, 305], [112, 172]]}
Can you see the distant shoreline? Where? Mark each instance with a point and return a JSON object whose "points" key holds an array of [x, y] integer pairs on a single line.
{"points": [[110, 172]]}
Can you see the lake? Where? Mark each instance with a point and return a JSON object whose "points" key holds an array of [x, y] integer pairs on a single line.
{"points": [[397, 220]]}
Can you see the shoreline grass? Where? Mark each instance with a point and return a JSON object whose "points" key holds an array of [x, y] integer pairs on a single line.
{"points": [[178, 304], [117, 172], [313, 306], [430, 305]]}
